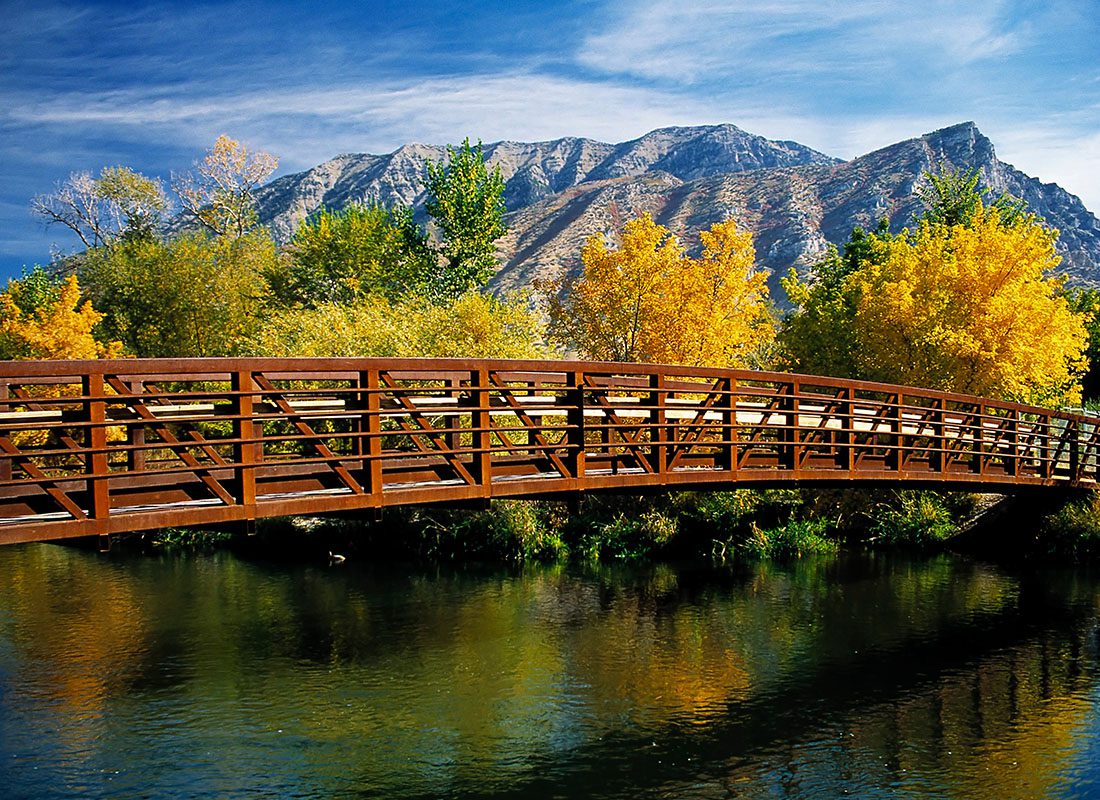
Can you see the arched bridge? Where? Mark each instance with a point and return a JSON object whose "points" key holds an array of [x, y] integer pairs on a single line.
{"points": [[102, 447]]}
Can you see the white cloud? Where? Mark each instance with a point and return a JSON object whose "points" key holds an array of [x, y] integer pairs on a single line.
{"points": [[306, 125]]}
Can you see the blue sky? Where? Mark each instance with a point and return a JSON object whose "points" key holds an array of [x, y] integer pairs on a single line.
{"points": [[151, 85]]}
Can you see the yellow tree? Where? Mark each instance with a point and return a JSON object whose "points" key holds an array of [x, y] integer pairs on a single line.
{"points": [[650, 301], [970, 308], [193, 296], [220, 194], [60, 328]]}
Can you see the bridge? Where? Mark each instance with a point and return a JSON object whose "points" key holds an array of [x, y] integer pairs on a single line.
{"points": [[93, 448]]}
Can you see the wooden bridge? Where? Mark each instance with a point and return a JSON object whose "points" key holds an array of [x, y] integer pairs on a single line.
{"points": [[102, 447]]}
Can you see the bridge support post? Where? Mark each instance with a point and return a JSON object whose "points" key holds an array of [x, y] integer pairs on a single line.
{"points": [[244, 431], [785, 434], [661, 434], [1073, 432], [796, 433], [1012, 463], [96, 465], [575, 421], [453, 423], [6, 461], [729, 457], [983, 451], [844, 439], [370, 400], [483, 457], [938, 460], [1049, 448], [897, 458], [135, 435]]}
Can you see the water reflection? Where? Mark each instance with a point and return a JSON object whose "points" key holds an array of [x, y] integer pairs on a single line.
{"points": [[877, 676]]}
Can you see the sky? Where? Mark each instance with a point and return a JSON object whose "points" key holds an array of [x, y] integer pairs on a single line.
{"points": [[152, 85]]}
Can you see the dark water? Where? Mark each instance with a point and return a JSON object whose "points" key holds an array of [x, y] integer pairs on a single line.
{"points": [[871, 676]]}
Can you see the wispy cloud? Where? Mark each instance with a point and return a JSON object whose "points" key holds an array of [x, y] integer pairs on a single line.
{"points": [[820, 40], [377, 117]]}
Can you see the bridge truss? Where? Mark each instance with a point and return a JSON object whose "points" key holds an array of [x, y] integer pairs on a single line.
{"points": [[101, 447]]}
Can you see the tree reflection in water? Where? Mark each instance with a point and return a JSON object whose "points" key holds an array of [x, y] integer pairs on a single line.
{"points": [[184, 676]]}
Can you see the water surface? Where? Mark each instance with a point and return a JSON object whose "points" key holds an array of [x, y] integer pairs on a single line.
{"points": [[874, 676]]}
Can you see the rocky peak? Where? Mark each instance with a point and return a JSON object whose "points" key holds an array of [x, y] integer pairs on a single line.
{"points": [[690, 153]]}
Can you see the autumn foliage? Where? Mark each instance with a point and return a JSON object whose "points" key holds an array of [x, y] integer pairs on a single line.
{"points": [[60, 328], [968, 307], [649, 301], [971, 309]]}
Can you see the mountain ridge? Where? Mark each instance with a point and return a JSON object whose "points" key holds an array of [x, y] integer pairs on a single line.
{"points": [[795, 200]]}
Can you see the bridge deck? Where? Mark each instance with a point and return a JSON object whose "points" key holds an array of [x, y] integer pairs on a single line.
{"points": [[99, 447]]}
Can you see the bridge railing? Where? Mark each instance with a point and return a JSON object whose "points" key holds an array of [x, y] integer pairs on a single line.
{"points": [[98, 447]]}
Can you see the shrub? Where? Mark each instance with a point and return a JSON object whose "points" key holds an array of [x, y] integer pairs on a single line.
{"points": [[917, 519], [795, 539], [1073, 530], [627, 535]]}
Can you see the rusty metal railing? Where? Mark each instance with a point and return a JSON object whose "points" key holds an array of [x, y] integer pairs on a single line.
{"points": [[102, 447]]}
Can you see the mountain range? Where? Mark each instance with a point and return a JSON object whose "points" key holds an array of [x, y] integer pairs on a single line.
{"points": [[794, 199]]}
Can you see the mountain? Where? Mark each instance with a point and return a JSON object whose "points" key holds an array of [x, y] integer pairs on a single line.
{"points": [[532, 171], [794, 199]]}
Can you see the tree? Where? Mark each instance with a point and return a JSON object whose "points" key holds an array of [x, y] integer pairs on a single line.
{"points": [[41, 322], [478, 326], [363, 250], [220, 194], [964, 307], [193, 296], [36, 290], [818, 336], [952, 197], [120, 203], [466, 202], [648, 301], [1086, 304], [971, 309]]}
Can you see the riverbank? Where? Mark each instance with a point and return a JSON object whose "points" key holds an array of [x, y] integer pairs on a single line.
{"points": [[716, 526]]}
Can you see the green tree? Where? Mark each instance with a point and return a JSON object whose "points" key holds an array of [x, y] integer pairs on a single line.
{"points": [[363, 250], [466, 201], [818, 336], [193, 296], [35, 290], [1086, 303], [953, 196]]}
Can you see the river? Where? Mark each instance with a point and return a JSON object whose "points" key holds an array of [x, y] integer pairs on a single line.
{"points": [[868, 675]]}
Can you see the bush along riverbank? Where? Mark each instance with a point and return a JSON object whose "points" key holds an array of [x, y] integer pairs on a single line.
{"points": [[720, 526]]}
